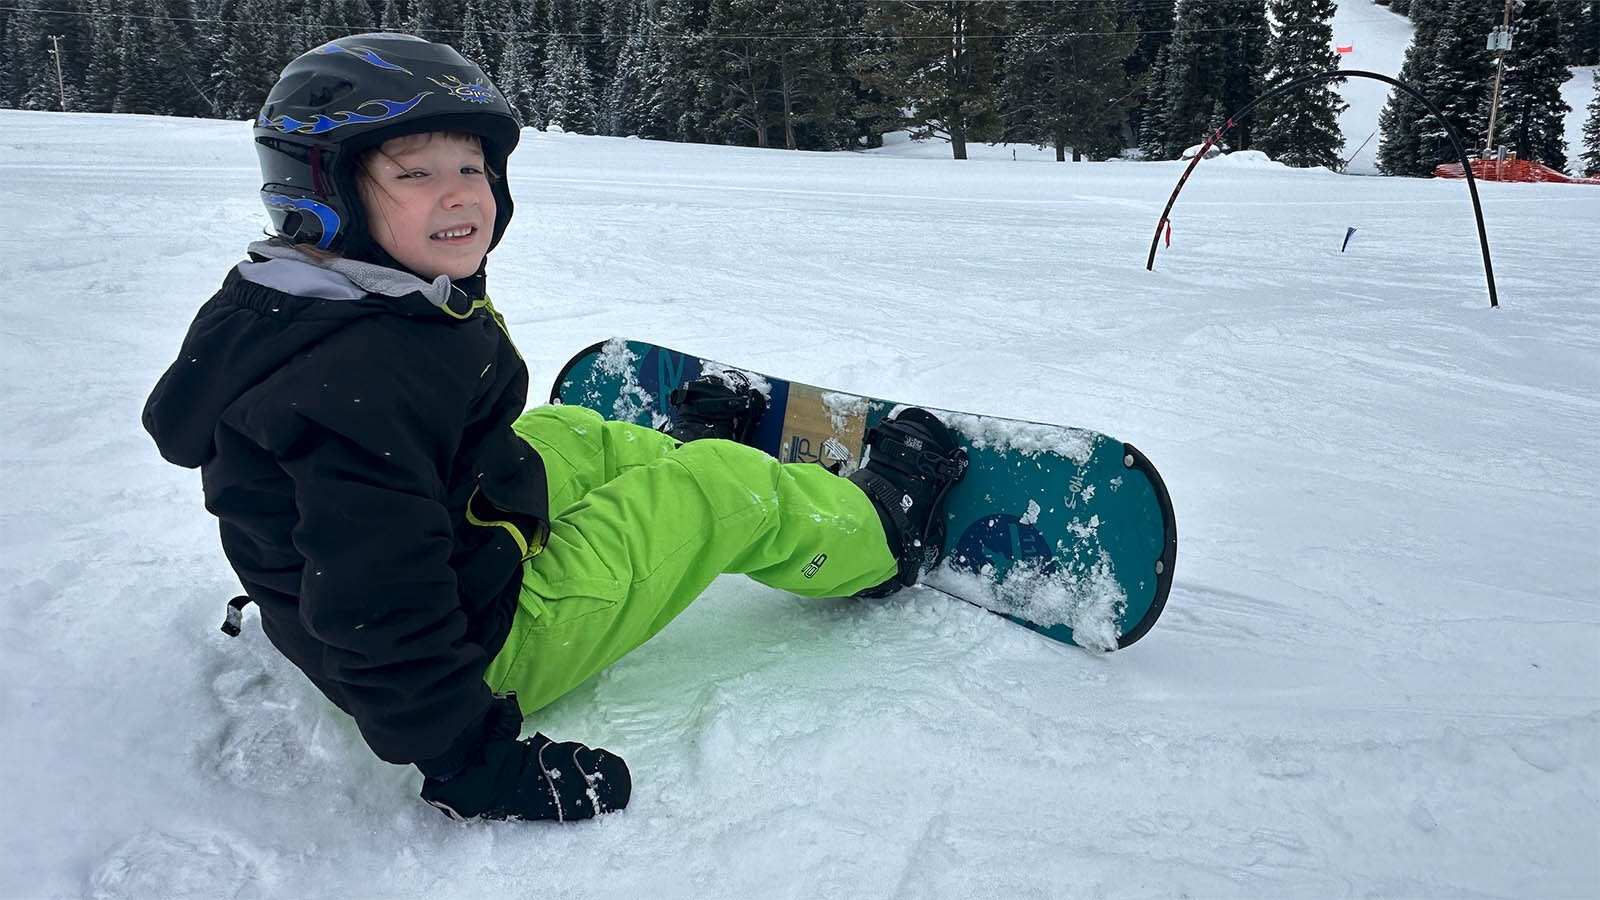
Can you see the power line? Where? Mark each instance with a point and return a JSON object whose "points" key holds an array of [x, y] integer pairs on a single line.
{"points": [[659, 35]]}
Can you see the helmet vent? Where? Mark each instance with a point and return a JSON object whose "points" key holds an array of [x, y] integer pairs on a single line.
{"points": [[324, 94]]}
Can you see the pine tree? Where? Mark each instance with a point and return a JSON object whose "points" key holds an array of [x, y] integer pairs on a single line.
{"points": [[154, 61], [742, 73], [529, 30], [392, 17], [769, 78], [433, 20], [358, 16], [834, 119], [625, 103], [1461, 79], [517, 85], [1403, 120], [612, 22], [1151, 21], [566, 91], [877, 107], [8, 52], [251, 59], [470, 42], [1301, 128], [1532, 113], [577, 24], [30, 67], [811, 89], [209, 37], [1155, 129], [1213, 69], [1591, 133], [34, 35], [99, 53], [1064, 82], [491, 16], [1249, 31], [79, 54], [940, 60], [1581, 20], [679, 102]]}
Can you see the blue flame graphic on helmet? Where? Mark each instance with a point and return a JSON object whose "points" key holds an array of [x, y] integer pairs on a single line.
{"points": [[323, 212], [320, 123], [362, 53]]}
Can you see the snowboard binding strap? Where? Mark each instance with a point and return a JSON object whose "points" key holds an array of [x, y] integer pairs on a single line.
{"points": [[717, 405], [913, 462]]}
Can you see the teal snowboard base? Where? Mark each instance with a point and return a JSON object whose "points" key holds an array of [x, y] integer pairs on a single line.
{"points": [[1065, 531]]}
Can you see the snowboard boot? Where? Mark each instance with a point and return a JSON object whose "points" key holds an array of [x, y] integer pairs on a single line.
{"points": [[717, 405], [912, 462]]}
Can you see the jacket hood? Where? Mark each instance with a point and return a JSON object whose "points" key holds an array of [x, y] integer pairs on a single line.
{"points": [[271, 308]]}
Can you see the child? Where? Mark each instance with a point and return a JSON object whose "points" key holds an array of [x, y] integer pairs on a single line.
{"points": [[436, 560]]}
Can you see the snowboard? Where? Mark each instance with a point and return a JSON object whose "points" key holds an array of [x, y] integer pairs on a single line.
{"points": [[1062, 530]]}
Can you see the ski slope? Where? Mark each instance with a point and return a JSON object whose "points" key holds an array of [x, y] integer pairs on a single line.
{"points": [[1378, 673]]}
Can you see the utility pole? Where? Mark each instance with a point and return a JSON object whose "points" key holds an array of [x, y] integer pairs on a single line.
{"points": [[1499, 39], [61, 88]]}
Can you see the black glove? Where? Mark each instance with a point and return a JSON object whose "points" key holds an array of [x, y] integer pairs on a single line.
{"points": [[534, 778]]}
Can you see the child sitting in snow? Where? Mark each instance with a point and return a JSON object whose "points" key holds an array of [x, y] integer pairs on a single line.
{"points": [[436, 560]]}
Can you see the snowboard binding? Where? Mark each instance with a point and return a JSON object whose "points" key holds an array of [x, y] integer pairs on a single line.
{"points": [[720, 405], [912, 462]]}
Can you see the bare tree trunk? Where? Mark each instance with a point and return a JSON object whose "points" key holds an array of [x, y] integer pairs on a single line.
{"points": [[757, 120], [958, 139], [786, 80], [956, 124]]}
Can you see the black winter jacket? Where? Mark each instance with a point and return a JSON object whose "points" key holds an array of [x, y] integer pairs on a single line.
{"points": [[355, 444]]}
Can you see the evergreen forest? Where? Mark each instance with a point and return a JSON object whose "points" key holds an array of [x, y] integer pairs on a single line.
{"points": [[1090, 78]]}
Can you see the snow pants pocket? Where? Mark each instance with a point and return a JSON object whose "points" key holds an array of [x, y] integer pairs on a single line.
{"points": [[641, 525]]}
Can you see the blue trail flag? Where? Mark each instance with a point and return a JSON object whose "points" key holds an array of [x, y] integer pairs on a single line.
{"points": [[1348, 233]]}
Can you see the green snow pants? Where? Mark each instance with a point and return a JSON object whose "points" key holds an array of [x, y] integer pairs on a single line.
{"points": [[641, 525]]}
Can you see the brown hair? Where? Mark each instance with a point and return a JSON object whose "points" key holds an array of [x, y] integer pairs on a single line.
{"points": [[363, 177]]}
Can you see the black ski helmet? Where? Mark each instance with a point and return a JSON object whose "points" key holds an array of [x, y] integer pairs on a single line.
{"points": [[335, 102]]}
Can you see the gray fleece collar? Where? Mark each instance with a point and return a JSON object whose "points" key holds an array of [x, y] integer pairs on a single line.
{"points": [[368, 278]]}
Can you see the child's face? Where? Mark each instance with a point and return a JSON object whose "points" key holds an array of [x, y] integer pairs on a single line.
{"points": [[429, 204]]}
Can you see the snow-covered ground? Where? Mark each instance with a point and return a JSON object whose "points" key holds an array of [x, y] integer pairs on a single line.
{"points": [[1378, 673]]}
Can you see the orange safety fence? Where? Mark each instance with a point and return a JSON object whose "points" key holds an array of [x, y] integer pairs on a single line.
{"points": [[1511, 169]]}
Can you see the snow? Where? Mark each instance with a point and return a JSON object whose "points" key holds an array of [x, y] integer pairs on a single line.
{"points": [[1091, 602], [1378, 673], [1378, 40]]}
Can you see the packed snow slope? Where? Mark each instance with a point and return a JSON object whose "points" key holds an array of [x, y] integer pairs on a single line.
{"points": [[1378, 673]]}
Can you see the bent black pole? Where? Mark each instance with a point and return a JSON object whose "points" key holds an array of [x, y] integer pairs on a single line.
{"points": [[1450, 131]]}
